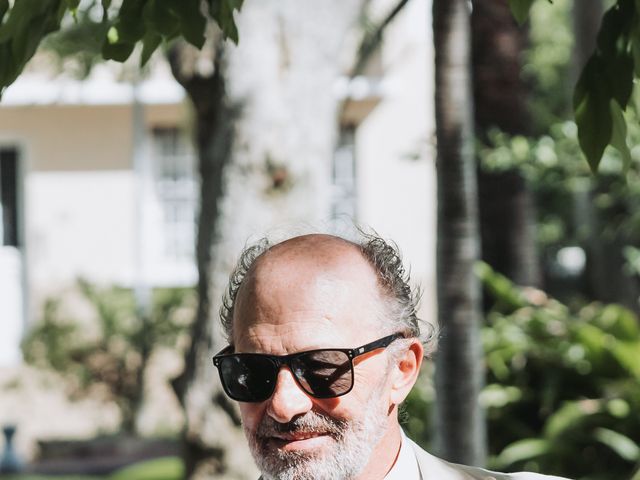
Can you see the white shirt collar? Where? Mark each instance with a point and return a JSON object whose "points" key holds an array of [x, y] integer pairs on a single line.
{"points": [[406, 466]]}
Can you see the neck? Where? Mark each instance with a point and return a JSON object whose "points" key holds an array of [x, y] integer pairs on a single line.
{"points": [[384, 455]]}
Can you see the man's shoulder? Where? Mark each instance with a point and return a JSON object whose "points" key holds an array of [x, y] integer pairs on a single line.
{"points": [[434, 467]]}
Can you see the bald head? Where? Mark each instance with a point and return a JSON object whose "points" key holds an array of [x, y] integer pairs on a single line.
{"points": [[314, 279], [331, 268], [300, 259], [317, 250]]}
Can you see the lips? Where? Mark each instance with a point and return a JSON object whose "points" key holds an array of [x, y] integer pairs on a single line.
{"points": [[298, 441], [291, 437]]}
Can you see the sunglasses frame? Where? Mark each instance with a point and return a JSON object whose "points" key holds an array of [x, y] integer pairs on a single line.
{"points": [[279, 361]]}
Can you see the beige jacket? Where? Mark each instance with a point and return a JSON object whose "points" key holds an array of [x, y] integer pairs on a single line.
{"points": [[432, 468]]}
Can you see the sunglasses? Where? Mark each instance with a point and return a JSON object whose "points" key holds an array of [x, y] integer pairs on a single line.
{"points": [[322, 373]]}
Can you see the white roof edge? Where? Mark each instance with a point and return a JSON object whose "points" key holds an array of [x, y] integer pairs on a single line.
{"points": [[100, 88]]}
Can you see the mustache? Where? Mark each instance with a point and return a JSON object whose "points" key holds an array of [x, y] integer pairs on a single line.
{"points": [[310, 422]]}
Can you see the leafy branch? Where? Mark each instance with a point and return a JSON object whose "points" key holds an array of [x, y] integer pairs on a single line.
{"points": [[604, 88], [150, 23]]}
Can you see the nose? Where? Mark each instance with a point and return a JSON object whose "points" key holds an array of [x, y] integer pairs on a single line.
{"points": [[288, 399]]}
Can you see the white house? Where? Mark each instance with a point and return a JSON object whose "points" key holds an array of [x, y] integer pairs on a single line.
{"points": [[97, 176]]}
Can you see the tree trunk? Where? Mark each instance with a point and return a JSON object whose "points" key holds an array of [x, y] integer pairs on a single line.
{"points": [[282, 74], [460, 427], [214, 136], [507, 219]]}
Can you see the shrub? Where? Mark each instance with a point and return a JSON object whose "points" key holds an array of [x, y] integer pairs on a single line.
{"points": [[562, 390], [110, 355]]}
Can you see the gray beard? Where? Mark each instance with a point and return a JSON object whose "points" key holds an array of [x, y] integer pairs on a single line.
{"points": [[353, 444]]}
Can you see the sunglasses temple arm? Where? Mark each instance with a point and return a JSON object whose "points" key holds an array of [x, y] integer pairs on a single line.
{"points": [[382, 343]]}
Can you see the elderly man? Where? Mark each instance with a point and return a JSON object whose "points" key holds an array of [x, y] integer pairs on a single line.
{"points": [[324, 345]]}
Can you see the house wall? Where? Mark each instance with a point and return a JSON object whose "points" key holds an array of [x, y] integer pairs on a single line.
{"points": [[395, 148], [79, 193], [11, 305]]}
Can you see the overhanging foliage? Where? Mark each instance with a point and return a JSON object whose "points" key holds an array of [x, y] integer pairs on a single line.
{"points": [[25, 23], [604, 88]]}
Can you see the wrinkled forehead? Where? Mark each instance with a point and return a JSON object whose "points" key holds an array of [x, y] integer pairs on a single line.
{"points": [[311, 294]]}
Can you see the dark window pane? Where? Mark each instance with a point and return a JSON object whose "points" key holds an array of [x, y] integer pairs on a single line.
{"points": [[9, 195]]}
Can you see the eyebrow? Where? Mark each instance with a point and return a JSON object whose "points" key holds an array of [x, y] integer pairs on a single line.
{"points": [[309, 348]]}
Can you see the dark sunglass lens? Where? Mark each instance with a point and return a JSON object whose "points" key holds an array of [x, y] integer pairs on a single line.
{"points": [[248, 378], [325, 373]]}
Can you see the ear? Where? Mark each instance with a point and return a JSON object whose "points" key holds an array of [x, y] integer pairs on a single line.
{"points": [[405, 372]]}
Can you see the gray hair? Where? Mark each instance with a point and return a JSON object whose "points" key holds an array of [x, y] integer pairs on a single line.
{"points": [[401, 303]]}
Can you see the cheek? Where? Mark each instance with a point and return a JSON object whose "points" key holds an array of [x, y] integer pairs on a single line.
{"points": [[370, 380], [251, 414], [351, 406]]}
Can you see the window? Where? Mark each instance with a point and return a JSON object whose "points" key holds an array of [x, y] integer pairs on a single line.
{"points": [[343, 202], [176, 188], [9, 197]]}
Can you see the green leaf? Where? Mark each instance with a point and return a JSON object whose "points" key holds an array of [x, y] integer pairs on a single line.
{"points": [[617, 320], [497, 365], [523, 450], [150, 43], [626, 353], [129, 23], [127, 31], [222, 13], [621, 444], [616, 24], [593, 340], [613, 50], [192, 21], [4, 6], [632, 257], [607, 76], [118, 51], [160, 18], [592, 112], [619, 133], [500, 287], [113, 36], [619, 72], [28, 39], [498, 396], [105, 10], [520, 9], [8, 72], [21, 16], [635, 43], [569, 416]]}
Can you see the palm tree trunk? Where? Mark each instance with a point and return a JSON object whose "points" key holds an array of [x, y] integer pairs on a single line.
{"points": [[460, 429], [507, 214]]}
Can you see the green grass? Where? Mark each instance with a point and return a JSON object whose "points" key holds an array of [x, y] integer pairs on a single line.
{"points": [[167, 468], [45, 477]]}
